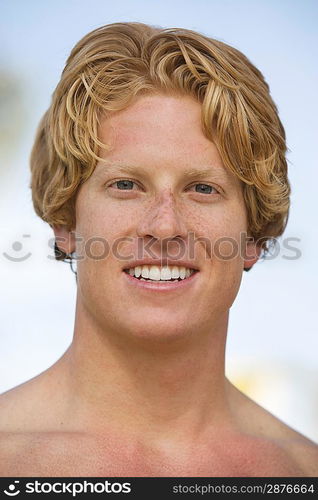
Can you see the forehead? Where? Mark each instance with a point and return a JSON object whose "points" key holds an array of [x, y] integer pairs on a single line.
{"points": [[156, 121], [162, 133]]}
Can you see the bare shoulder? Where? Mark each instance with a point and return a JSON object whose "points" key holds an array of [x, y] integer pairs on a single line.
{"points": [[12, 447], [17, 407], [259, 422], [303, 450], [35, 405], [41, 454], [21, 405], [32, 439], [36, 436]]}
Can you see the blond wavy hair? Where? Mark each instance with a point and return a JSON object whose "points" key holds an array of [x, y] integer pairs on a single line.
{"points": [[116, 63]]}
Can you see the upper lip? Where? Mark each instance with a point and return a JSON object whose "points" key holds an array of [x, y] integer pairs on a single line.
{"points": [[161, 262]]}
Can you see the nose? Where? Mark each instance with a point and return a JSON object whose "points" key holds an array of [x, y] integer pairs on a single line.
{"points": [[162, 219]]}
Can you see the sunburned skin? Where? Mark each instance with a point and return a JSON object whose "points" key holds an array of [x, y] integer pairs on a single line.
{"points": [[55, 454], [255, 444]]}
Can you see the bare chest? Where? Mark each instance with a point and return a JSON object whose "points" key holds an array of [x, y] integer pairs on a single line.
{"points": [[88, 458]]}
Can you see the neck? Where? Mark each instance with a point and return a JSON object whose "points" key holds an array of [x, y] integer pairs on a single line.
{"points": [[168, 387]]}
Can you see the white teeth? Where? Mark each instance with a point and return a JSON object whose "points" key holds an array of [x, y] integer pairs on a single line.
{"points": [[157, 273], [182, 272], [137, 271], [154, 273], [166, 273], [145, 271], [175, 272]]}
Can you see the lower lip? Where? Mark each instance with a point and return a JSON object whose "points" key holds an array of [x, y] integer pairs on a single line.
{"points": [[162, 286]]}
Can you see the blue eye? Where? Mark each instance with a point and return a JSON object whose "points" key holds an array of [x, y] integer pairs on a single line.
{"points": [[125, 184], [204, 188]]}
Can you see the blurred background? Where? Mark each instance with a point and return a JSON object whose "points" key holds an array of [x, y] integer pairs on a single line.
{"points": [[272, 343]]}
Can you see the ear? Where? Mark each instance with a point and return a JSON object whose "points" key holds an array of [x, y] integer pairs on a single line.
{"points": [[65, 239], [252, 254]]}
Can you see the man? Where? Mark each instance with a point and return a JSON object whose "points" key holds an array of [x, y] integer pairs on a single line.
{"points": [[161, 165]]}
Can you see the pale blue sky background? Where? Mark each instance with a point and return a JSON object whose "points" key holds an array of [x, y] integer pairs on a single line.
{"points": [[273, 325]]}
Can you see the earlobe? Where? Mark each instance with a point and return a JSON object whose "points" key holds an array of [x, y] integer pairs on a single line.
{"points": [[252, 255], [65, 239]]}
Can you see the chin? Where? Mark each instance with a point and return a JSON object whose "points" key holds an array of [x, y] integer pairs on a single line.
{"points": [[163, 332]]}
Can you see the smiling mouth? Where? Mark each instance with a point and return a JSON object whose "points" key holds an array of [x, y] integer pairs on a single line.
{"points": [[156, 274]]}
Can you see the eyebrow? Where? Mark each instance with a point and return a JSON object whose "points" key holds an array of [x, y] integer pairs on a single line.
{"points": [[190, 173]]}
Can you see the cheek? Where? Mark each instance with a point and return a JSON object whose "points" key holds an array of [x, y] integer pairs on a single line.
{"points": [[97, 218], [224, 231], [105, 232]]}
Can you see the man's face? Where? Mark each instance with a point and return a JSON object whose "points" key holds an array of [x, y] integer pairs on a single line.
{"points": [[149, 192]]}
